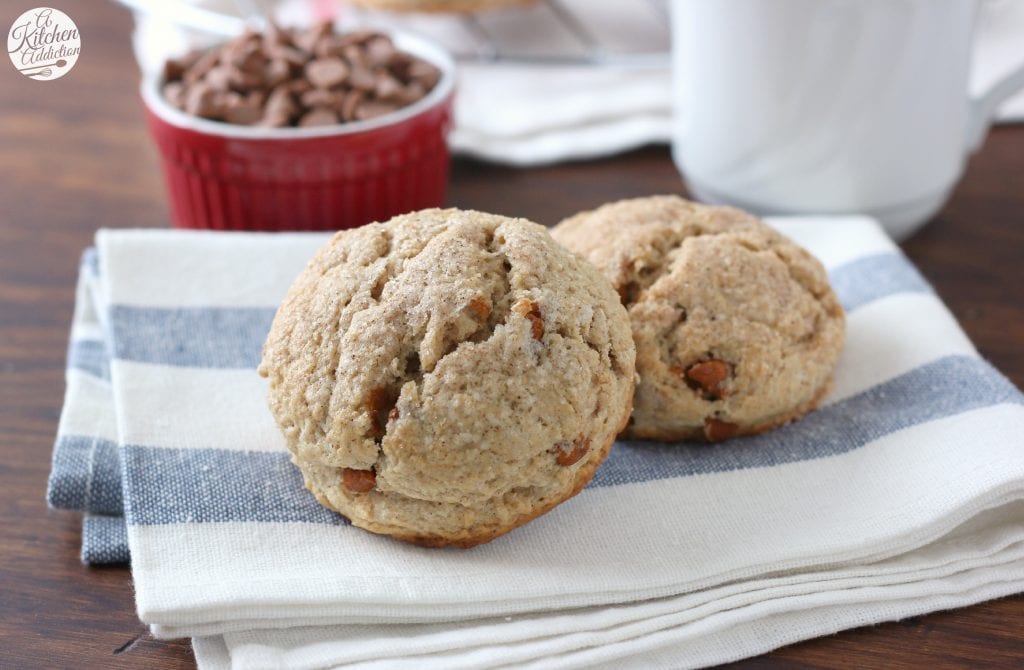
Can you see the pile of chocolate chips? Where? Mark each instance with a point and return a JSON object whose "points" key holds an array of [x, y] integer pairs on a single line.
{"points": [[286, 77]]}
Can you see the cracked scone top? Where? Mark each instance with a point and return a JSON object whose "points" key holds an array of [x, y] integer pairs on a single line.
{"points": [[736, 327], [448, 375]]}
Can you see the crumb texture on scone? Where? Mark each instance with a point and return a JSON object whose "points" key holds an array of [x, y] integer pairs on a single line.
{"points": [[736, 327], [448, 375]]}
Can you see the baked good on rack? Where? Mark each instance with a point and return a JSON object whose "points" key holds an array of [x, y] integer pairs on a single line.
{"points": [[737, 329], [460, 6], [448, 375]]}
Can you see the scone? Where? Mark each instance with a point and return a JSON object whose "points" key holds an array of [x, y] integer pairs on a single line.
{"points": [[460, 6], [448, 375], [736, 327]]}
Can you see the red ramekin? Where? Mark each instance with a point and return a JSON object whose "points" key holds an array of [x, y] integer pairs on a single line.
{"points": [[231, 177]]}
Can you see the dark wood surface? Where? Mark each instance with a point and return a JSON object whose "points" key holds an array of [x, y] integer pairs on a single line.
{"points": [[74, 156]]}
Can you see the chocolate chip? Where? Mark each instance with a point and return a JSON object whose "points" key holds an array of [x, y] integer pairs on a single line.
{"points": [[201, 66], [412, 93], [350, 104], [399, 65], [371, 109], [388, 88], [223, 101], [246, 112], [174, 93], [318, 117], [275, 120], [359, 37], [273, 36], [277, 71], [326, 72], [361, 77], [307, 39], [330, 46], [241, 80], [424, 73], [290, 55], [246, 56], [378, 51], [354, 55], [219, 78], [299, 86], [281, 103], [199, 101], [284, 77], [318, 97], [173, 70]]}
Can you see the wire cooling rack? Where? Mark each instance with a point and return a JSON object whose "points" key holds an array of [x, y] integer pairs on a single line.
{"points": [[623, 33], [586, 44]]}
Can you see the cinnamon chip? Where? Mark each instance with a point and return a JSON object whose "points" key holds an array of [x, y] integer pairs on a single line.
{"points": [[528, 309], [379, 404], [708, 376], [288, 77], [480, 307], [568, 453], [716, 431], [358, 481]]}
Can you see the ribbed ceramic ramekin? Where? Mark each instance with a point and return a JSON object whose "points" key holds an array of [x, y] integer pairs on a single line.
{"points": [[231, 177]]}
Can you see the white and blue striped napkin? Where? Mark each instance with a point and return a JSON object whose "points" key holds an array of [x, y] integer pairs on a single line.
{"points": [[903, 494]]}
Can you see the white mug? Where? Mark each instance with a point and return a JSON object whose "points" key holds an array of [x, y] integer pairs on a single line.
{"points": [[828, 106]]}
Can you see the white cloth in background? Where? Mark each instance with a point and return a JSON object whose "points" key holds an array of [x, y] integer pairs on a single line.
{"points": [[524, 114]]}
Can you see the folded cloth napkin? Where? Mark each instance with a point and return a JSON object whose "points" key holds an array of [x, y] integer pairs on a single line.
{"points": [[86, 470], [903, 494]]}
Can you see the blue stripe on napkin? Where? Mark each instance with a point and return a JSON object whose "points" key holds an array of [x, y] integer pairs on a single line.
{"points": [[210, 485], [948, 386], [872, 277], [217, 337], [104, 540], [209, 337], [86, 475], [90, 356]]}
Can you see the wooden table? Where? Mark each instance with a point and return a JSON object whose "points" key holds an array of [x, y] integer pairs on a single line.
{"points": [[75, 157]]}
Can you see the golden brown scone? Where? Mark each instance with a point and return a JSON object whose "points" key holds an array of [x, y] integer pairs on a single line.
{"points": [[736, 327], [459, 6], [448, 375]]}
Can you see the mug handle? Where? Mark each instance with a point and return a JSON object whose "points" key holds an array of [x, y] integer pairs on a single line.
{"points": [[982, 110]]}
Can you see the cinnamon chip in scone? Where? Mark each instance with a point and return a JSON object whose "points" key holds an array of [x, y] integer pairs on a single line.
{"points": [[448, 375], [736, 327]]}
